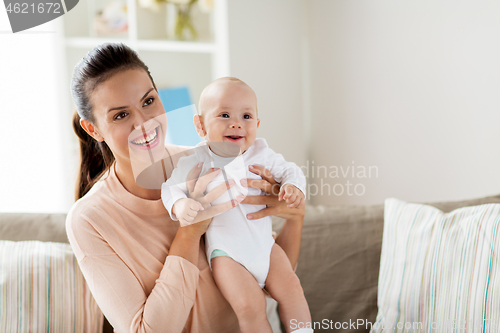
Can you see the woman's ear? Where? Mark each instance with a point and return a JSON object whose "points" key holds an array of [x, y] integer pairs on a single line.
{"points": [[91, 130], [198, 123]]}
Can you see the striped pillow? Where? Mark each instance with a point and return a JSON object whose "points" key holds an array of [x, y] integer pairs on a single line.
{"points": [[439, 272], [43, 290]]}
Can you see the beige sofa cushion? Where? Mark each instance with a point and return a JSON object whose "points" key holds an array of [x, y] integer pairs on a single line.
{"points": [[339, 259], [29, 226]]}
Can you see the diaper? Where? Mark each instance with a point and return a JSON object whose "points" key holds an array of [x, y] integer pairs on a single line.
{"points": [[218, 253], [258, 268]]}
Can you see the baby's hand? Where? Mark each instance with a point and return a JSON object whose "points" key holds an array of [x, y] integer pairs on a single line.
{"points": [[186, 210], [292, 195]]}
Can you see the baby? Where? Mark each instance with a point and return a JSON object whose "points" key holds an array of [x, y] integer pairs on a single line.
{"points": [[241, 253]]}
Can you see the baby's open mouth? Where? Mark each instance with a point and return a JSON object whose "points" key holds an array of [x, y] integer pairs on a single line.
{"points": [[151, 136], [234, 137]]}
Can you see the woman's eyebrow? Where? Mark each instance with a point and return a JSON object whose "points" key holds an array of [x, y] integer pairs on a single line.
{"points": [[124, 107]]}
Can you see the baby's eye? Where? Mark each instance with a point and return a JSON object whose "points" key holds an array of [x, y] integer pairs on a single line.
{"points": [[149, 101], [247, 116], [224, 115], [120, 115]]}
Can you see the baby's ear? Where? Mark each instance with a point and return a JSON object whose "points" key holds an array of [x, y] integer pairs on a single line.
{"points": [[199, 125]]}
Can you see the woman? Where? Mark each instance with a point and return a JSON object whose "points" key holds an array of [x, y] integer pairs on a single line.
{"points": [[146, 273]]}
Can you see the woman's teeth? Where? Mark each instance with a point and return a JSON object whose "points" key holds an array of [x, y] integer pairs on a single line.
{"points": [[151, 137]]}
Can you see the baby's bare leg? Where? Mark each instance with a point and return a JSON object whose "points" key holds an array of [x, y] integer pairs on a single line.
{"points": [[242, 291], [284, 286]]}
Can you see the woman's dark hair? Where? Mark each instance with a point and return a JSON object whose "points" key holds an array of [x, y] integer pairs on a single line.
{"points": [[97, 66]]}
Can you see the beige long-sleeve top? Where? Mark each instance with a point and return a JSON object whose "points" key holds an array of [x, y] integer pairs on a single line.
{"points": [[121, 243]]}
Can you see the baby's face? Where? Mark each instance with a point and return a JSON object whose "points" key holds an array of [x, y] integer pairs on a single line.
{"points": [[230, 115]]}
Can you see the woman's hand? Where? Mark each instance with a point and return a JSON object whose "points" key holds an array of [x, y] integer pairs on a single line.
{"points": [[187, 240], [291, 233], [196, 187], [271, 200]]}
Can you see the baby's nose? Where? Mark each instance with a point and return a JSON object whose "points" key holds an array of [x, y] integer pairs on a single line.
{"points": [[235, 124]]}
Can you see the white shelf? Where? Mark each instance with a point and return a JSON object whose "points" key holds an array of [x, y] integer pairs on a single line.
{"points": [[88, 43], [175, 46], [145, 45]]}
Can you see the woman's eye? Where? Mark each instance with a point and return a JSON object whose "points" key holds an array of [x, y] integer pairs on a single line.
{"points": [[149, 101], [120, 115]]}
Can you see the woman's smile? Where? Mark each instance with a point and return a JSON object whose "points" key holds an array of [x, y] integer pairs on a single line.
{"points": [[148, 140]]}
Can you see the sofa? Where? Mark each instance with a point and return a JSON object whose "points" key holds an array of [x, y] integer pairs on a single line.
{"points": [[338, 264]]}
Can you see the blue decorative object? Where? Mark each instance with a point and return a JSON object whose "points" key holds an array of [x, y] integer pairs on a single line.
{"points": [[180, 111]]}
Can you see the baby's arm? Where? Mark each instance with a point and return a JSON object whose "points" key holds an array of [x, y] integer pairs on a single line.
{"points": [[291, 177], [174, 193], [292, 195]]}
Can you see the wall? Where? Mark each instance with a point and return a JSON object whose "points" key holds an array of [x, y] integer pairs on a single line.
{"points": [[33, 162], [411, 88]]}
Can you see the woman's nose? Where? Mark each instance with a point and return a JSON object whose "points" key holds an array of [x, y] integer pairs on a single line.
{"points": [[140, 119]]}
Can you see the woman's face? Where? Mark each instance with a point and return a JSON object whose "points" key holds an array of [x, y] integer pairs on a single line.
{"points": [[129, 115]]}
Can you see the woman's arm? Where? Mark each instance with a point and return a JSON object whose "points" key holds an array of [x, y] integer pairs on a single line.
{"points": [[291, 234], [290, 237], [186, 245], [119, 292]]}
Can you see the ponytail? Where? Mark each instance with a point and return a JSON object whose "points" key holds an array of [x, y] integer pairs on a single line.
{"points": [[95, 159], [97, 66]]}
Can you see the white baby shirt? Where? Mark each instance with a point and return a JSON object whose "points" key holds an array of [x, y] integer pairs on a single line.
{"points": [[248, 242]]}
